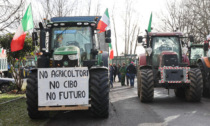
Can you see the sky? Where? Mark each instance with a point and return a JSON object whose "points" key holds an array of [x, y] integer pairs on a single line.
{"points": [[142, 7]]}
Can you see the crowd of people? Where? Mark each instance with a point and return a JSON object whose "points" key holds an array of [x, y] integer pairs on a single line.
{"points": [[128, 72]]}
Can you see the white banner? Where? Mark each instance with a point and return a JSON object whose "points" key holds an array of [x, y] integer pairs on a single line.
{"points": [[63, 86]]}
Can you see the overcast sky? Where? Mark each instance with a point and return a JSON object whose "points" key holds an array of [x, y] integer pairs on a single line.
{"points": [[142, 7]]}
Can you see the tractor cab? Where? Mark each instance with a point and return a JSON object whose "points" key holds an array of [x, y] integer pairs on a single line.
{"points": [[196, 52], [166, 49], [73, 41], [164, 46]]}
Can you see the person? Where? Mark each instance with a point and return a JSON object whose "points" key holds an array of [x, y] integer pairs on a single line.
{"points": [[115, 71], [123, 72], [131, 70], [111, 70], [127, 77], [118, 72]]}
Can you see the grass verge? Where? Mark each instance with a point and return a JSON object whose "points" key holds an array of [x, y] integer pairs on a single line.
{"points": [[6, 97], [15, 113]]}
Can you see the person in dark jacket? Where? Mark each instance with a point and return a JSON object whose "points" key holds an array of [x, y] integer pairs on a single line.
{"points": [[118, 72], [131, 70], [127, 76], [123, 72], [115, 71], [111, 71]]}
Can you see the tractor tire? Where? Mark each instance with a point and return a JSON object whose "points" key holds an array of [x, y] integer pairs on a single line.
{"points": [[99, 93], [206, 90], [146, 85], [179, 92], [32, 98], [138, 83], [194, 92]]}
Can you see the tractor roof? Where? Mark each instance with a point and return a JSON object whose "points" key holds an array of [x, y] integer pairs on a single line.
{"points": [[76, 19], [165, 34]]}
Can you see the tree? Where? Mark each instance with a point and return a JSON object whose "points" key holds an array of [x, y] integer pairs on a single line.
{"points": [[58, 8], [10, 14], [115, 30], [192, 17], [131, 24], [16, 58]]}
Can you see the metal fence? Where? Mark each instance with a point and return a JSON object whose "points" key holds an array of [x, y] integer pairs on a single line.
{"points": [[125, 59]]}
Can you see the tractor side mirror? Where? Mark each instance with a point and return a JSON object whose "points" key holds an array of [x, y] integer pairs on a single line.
{"points": [[108, 40], [191, 38], [108, 33], [34, 38], [42, 39], [140, 38], [206, 46]]}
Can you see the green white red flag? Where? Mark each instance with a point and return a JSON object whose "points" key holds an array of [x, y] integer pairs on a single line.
{"points": [[2, 51], [104, 23], [111, 52], [25, 25]]}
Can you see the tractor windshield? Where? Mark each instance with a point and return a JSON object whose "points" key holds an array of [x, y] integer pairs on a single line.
{"points": [[196, 53], [160, 44], [77, 36]]}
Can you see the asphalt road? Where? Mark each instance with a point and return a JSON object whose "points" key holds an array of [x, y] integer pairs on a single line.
{"points": [[127, 110]]}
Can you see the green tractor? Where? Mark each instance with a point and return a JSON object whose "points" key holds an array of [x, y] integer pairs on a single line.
{"points": [[196, 52], [72, 68]]}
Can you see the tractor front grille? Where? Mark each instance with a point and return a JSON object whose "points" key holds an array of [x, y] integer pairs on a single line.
{"points": [[71, 63]]}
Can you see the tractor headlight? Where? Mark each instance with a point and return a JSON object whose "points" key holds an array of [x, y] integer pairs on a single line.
{"points": [[58, 57], [73, 57]]}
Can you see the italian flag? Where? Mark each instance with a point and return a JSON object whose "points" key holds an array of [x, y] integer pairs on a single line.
{"points": [[111, 52], [104, 23], [19, 37], [2, 51]]}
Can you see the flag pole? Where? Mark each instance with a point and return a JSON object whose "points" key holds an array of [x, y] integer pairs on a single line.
{"points": [[33, 31]]}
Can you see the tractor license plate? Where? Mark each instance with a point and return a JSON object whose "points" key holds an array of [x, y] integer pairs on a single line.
{"points": [[63, 86]]}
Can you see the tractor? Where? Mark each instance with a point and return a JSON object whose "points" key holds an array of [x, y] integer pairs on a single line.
{"points": [[196, 51], [162, 66], [204, 65], [72, 68]]}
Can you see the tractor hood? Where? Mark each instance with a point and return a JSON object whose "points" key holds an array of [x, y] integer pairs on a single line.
{"points": [[67, 50], [168, 58]]}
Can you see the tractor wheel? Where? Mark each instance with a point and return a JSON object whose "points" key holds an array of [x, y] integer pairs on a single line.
{"points": [[194, 92], [138, 83], [32, 98], [179, 92], [99, 93], [146, 85], [206, 90]]}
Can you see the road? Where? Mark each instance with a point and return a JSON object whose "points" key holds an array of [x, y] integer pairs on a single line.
{"points": [[127, 110]]}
